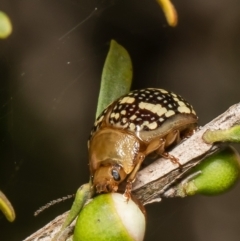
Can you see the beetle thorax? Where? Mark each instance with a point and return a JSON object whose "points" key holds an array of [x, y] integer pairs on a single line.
{"points": [[112, 157]]}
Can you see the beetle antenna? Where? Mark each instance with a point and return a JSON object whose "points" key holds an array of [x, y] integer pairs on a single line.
{"points": [[51, 203]]}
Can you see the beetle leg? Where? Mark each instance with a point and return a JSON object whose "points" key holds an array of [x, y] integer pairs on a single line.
{"points": [[132, 176], [189, 132], [172, 158], [173, 137], [155, 145], [128, 190]]}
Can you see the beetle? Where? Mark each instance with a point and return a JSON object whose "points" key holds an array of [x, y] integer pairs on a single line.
{"points": [[142, 122]]}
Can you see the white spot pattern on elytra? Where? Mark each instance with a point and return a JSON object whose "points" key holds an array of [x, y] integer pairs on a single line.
{"points": [[128, 100], [145, 109], [169, 113], [184, 109]]}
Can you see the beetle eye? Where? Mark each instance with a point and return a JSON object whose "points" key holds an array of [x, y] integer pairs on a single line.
{"points": [[116, 175]]}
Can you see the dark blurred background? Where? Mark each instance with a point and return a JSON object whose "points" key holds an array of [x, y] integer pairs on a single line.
{"points": [[49, 83]]}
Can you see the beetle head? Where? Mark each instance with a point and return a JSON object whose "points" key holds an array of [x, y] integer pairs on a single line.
{"points": [[107, 178]]}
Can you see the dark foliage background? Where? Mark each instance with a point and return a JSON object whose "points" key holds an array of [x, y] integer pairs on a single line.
{"points": [[49, 82]]}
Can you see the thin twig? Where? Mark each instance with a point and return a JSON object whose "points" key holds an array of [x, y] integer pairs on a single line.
{"points": [[155, 179]]}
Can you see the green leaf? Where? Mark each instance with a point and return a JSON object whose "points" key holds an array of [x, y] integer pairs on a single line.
{"points": [[116, 76]]}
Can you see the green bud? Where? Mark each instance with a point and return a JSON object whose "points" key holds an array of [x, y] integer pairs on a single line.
{"points": [[229, 135], [110, 217], [217, 174]]}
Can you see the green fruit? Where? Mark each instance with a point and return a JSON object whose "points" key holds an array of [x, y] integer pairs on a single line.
{"points": [[110, 217], [218, 173]]}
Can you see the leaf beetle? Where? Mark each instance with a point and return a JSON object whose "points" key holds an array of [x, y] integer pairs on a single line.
{"points": [[142, 122]]}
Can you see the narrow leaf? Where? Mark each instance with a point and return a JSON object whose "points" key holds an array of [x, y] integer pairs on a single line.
{"points": [[169, 11], [116, 76], [6, 208]]}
